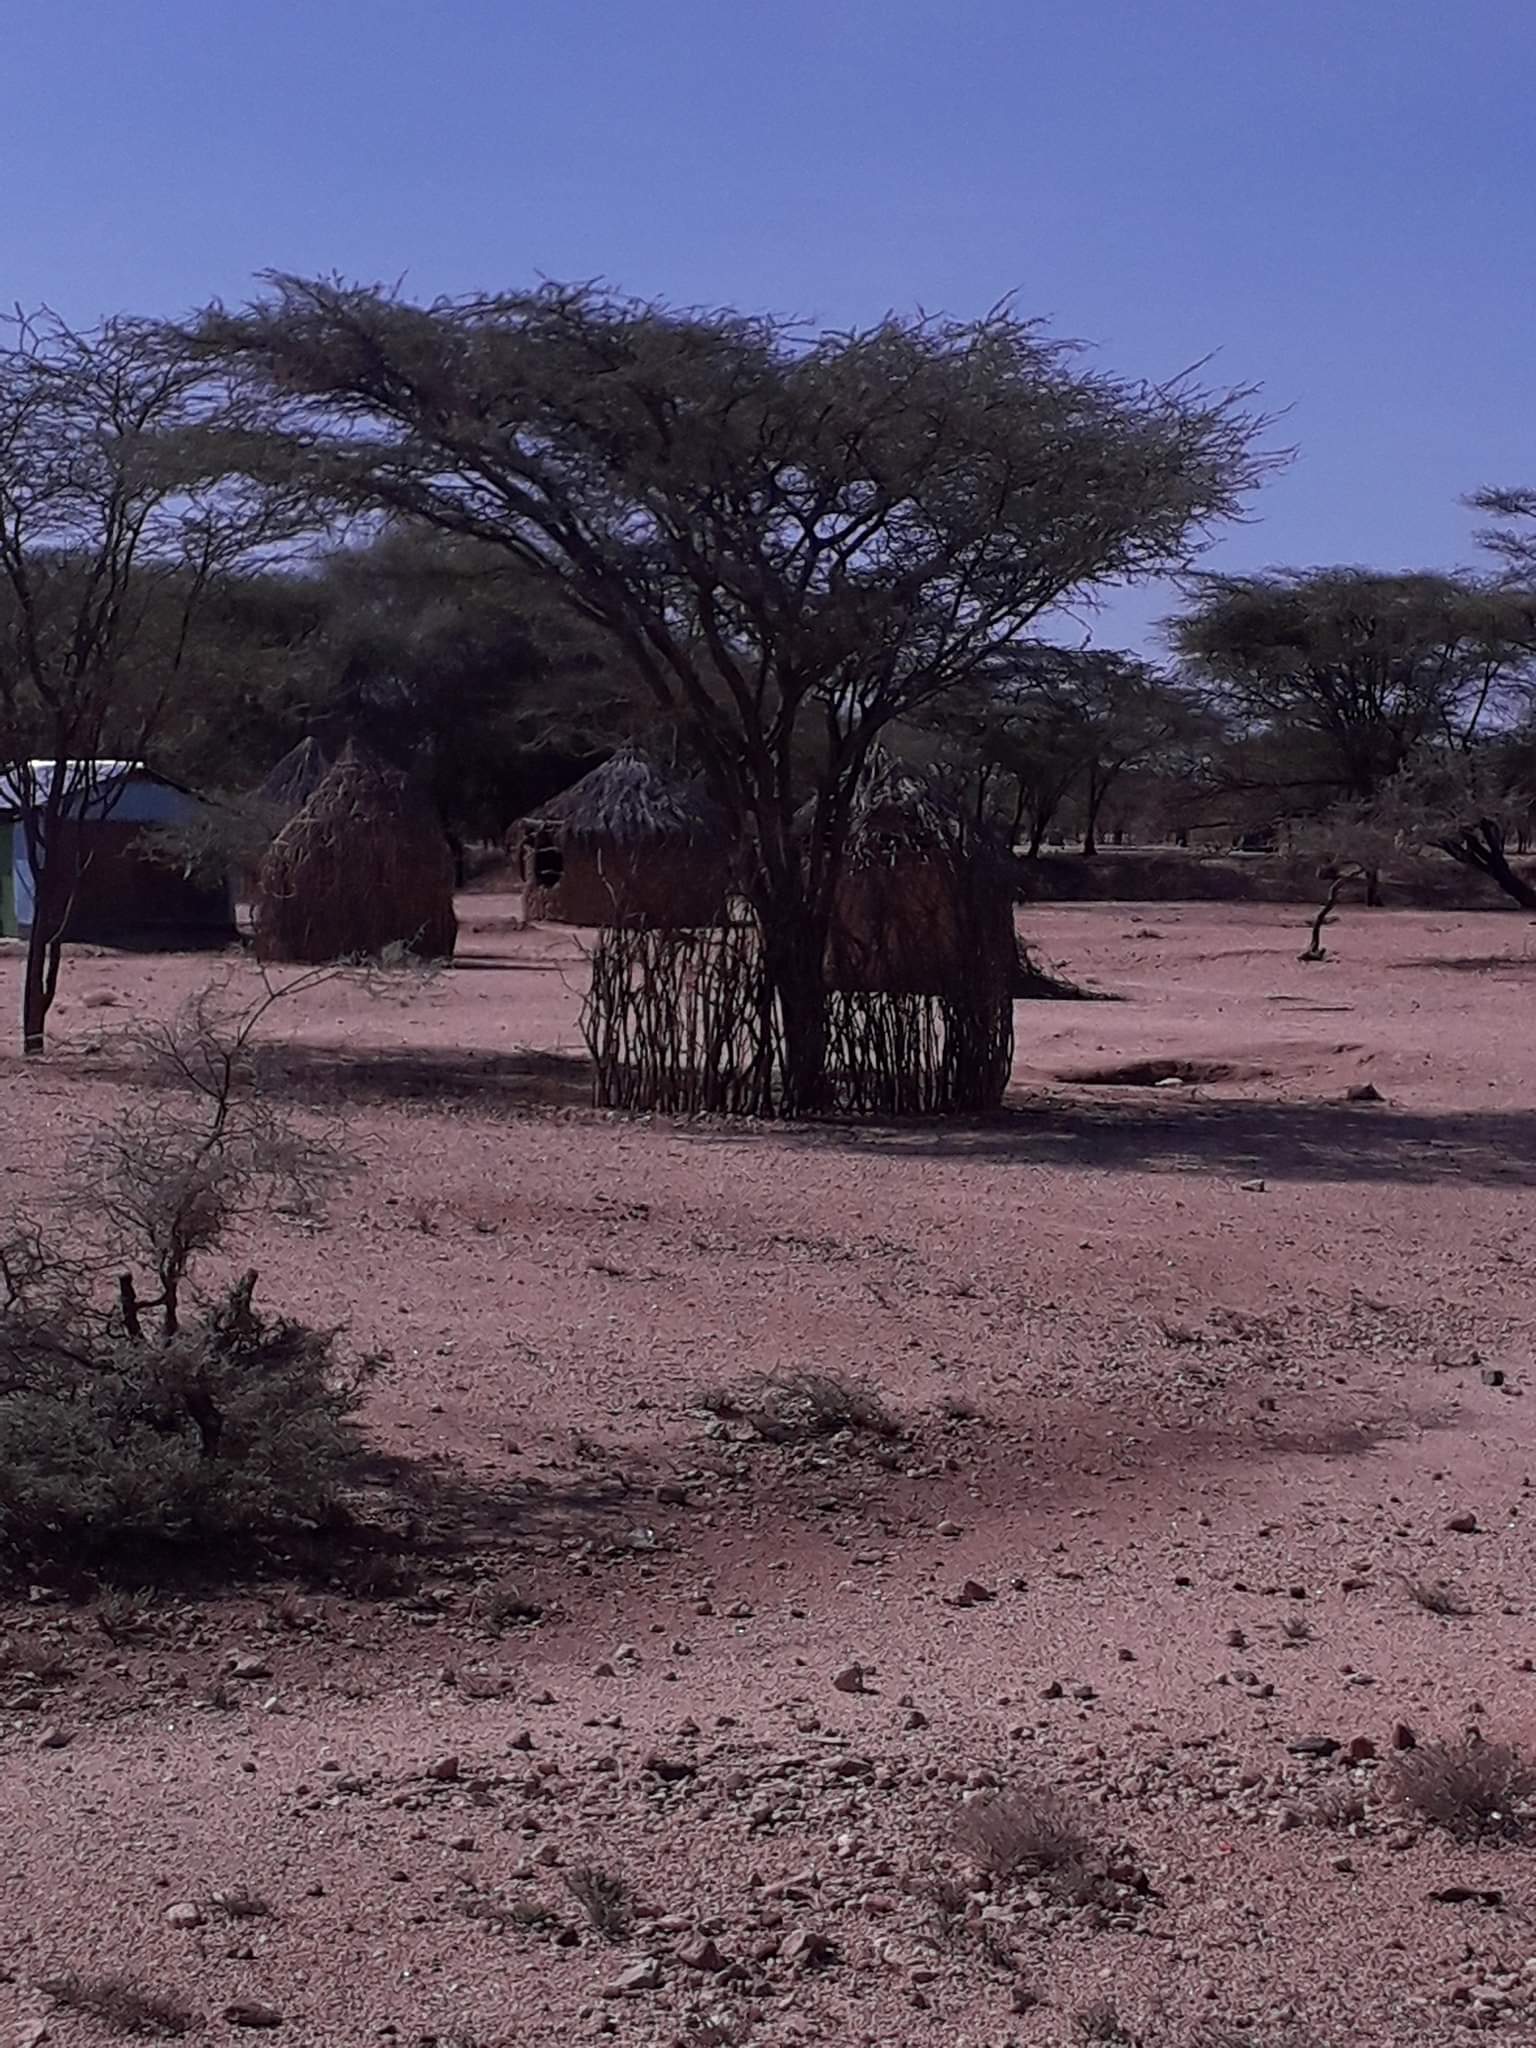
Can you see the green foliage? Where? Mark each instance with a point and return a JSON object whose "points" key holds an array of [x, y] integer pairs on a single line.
{"points": [[240, 1428]]}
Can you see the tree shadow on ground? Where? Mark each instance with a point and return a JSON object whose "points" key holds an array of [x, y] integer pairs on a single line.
{"points": [[1277, 1141], [322, 1076]]}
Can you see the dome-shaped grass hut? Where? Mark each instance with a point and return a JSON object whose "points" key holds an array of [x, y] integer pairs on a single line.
{"points": [[627, 845], [361, 868], [289, 785], [924, 905]]}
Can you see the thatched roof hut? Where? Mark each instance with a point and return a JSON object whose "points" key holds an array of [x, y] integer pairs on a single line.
{"points": [[630, 844], [289, 785], [924, 905], [361, 868]]}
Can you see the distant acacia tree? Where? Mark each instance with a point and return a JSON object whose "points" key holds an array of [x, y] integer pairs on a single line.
{"points": [[795, 539], [1342, 679], [117, 516]]}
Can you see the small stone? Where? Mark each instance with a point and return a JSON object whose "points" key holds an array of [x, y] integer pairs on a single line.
{"points": [[1313, 1745], [1403, 1737], [1364, 1091], [184, 1915], [1254, 1187], [1054, 1691], [950, 1529], [849, 1679], [972, 1592], [1463, 1523], [702, 1955], [739, 1610], [916, 1719], [806, 1948], [248, 2013], [55, 1738], [444, 1770], [1084, 1692], [671, 1770], [248, 1667], [671, 1495], [464, 1843], [642, 1976], [1361, 1749], [1492, 1376]]}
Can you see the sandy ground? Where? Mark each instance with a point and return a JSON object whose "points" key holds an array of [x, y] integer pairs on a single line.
{"points": [[1193, 1381]]}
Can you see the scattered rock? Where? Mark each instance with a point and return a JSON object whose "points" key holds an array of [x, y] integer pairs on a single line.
{"points": [[1364, 1091], [972, 1592], [250, 2013], [1361, 1749], [247, 1667], [702, 1955], [1403, 1737], [185, 1915], [1254, 1187], [849, 1679], [1313, 1745], [671, 1770], [55, 1738], [444, 1770], [642, 1976], [807, 1948], [1463, 1523]]}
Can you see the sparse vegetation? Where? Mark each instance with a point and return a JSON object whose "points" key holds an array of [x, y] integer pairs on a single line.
{"points": [[806, 1404], [1476, 1790], [1103, 2025], [1033, 1833], [120, 2005], [1435, 1597], [127, 1415], [240, 1902], [604, 1897]]}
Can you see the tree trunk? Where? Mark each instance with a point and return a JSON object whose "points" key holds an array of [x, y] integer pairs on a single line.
{"points": [[794, 952], [1481, 847], [1090, 838], [34, 992], [1374, 898]]}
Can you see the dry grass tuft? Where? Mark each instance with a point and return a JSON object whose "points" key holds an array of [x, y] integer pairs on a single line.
{"points": [[604, 1897], [805, 1405], [1435, 1597], [1103, 2025], [120, 2005], [1477, 1791], [1030, 1833]]}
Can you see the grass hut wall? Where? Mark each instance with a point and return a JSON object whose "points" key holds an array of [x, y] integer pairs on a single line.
{"points": [[362, 868], [923, 906], [628, 845]]}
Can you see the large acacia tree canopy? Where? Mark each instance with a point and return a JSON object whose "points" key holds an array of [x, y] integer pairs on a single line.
{"points": [[783, 528]]}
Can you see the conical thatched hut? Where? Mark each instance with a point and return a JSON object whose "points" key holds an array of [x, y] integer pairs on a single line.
{"points": [[289, 785], [627, 845], [924, 905], [360, 868]]}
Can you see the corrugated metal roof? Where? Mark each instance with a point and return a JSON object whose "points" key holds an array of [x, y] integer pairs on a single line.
{"points": [[88, 782]]}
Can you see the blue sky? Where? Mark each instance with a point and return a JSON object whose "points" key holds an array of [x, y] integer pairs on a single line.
{"points": [[1338, 199]]}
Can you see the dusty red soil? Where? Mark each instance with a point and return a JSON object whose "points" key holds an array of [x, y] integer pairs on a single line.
{"points": [[1193, 1380]]}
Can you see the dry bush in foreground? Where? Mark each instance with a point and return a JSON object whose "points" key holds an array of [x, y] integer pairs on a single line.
{"points": [[1029, 1833], [1477, 1791], [604, 1897], [120, 2005], [128, 1412]]}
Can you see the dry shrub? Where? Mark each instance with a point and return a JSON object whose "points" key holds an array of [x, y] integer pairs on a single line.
{"points": [[362, 869], [604, 1897], [1340, 1806], [238, 1429], [1029, 1833], [804, 1405], [1475, 1790], [120, 2005], [1435, 1597]]}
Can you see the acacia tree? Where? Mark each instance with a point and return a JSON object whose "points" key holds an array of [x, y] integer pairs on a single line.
{"points": [[116, 517], [1350, 676], [794, 538]]}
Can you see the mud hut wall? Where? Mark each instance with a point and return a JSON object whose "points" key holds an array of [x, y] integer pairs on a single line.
{"points": [[648, 886]]}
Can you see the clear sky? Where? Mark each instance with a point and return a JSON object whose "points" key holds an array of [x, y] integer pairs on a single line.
{"points": [[1338, 197]]}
